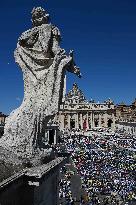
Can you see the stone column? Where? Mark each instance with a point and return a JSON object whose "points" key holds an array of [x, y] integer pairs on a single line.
{"points": [[68, 121], [55, 137], [113, 119], [87, 124], [48, 134], [105, 120], [99, 119], [92, 119], [81, 120], [76, 121], [46, 137], [62, 126], [133, 130]]}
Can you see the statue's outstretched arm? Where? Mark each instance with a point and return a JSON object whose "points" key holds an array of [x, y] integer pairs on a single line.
{"points": [[71, 67]]}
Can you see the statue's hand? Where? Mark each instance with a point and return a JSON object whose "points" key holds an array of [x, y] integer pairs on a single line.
{"points": [[71, 53], [72, 66], [56, 32], [77, 71]]}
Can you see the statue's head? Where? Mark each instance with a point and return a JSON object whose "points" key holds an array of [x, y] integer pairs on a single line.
{"points": [[39, 16]]}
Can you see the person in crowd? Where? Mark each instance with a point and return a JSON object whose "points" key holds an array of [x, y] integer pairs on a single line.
{"points": [[106, 164]]}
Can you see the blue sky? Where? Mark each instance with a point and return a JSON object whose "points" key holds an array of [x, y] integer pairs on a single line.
{"points": [[102, 33]]}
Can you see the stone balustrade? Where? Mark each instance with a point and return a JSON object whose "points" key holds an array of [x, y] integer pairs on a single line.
{"points": [[34, 186], [127, 126]]}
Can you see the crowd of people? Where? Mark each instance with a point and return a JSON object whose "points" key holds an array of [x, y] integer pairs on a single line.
{"points": [[106, 163]]}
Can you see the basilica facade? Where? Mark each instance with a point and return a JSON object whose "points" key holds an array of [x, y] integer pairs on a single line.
{"points": [[78, 113]]}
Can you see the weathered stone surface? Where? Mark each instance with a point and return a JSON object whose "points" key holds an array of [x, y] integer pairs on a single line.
{"points": [[43, 64], [9, 164], [33, 186]]}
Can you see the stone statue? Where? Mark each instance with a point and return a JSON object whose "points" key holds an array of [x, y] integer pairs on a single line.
{"points": [[43, 64]]}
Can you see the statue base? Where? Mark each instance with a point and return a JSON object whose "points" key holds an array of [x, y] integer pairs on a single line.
{"points": [[37, 185]]}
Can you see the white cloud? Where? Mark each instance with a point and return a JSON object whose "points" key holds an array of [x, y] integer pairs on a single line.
{"points": [[18, 99]]}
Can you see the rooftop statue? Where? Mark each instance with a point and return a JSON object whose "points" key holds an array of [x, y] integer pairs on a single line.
{"points": [[43, 63], [75, 95]]}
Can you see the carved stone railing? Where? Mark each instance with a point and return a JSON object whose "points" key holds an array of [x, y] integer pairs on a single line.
{"points": [[129, 127], [34, 186], [126, 123], [87, 106]]}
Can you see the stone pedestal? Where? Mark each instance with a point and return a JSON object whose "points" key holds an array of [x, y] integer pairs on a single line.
{"points": [[35, 186], [51, 133]]}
